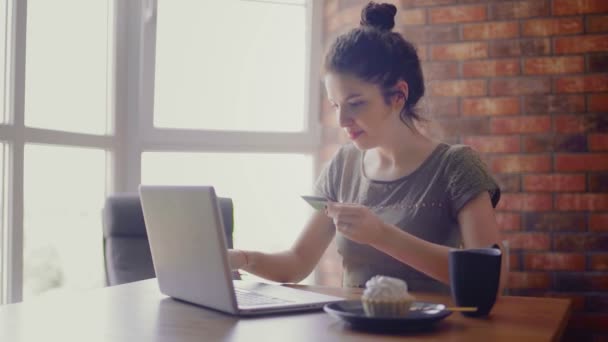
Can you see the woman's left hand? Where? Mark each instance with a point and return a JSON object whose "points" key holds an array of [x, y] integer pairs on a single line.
{"points": [[356, 222]]}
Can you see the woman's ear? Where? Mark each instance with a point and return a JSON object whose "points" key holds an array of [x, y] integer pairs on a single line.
{"points": [[401, 92]]}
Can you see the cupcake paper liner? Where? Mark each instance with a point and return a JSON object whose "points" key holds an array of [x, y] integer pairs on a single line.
{"points": [[387, 308]]}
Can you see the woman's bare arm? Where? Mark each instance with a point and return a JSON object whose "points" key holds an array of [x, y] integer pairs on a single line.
{"points": [[294, 264], [478, 227]]}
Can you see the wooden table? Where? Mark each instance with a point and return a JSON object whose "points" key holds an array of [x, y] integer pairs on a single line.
{"points": [[139, 312]]}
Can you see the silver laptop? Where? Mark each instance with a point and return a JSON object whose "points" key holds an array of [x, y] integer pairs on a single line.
{"points": [[189, 254]]}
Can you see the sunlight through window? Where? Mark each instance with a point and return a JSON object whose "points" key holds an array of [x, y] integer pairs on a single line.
{"points": [[67, 65], [62, 218], [230, 65], [265, 189]]}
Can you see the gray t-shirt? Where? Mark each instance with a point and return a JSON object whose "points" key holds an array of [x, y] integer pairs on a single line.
{"points": [[424, 203]]}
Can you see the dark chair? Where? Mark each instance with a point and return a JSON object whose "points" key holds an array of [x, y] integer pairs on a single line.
{"points": [[126, 250]]}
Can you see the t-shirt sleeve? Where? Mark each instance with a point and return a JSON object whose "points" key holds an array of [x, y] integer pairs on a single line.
{"points": [[325, 185], [329, 179], [467, 178]]}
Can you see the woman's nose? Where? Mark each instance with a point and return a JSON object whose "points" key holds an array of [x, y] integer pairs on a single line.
{"points": [[344, 120]]}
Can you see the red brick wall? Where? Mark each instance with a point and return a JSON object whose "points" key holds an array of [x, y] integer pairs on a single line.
{"points": [[526, 84]]}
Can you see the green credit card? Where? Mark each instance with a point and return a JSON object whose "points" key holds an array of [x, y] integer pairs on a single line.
{"points": [[316, 202]]}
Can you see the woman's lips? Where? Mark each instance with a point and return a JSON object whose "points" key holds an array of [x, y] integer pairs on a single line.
{"points": [[354, 135]]}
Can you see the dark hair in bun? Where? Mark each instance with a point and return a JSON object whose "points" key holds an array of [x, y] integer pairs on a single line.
{"points": [[380, 16], [376, 54]]}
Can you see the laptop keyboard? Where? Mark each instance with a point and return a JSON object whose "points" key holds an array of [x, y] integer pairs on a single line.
{"points": [[248, 298]]}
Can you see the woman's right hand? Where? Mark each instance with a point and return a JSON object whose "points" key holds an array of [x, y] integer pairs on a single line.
{"points": [[237, 259]]}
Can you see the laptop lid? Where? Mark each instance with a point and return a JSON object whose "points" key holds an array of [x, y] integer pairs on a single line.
{"points": [[188, 246], [186, 236]]}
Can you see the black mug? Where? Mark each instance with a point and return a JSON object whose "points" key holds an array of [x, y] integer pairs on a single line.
{"points": [[475, 278]]}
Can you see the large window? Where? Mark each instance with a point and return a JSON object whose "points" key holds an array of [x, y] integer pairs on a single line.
{"points": [[98, 96], [232, 86]]}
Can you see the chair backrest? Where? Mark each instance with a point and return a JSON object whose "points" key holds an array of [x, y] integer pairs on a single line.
{"points": [[126, 249]]}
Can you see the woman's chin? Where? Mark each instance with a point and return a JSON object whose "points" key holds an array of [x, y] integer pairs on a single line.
{"points": [[362, 144]]}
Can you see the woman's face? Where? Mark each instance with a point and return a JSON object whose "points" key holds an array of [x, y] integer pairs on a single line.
{"points": [[361, 108]]}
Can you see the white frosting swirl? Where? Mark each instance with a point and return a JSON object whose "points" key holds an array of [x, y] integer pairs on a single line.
{"points": [[383, 287]]}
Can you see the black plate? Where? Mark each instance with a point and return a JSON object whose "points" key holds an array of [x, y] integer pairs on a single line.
{"points": [[422, 316]]}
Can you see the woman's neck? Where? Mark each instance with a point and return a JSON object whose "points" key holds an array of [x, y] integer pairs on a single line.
{"points": [[402, 147], [401, 153]]}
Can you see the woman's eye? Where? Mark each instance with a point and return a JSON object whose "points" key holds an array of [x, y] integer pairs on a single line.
{"points": [[356, 104]]}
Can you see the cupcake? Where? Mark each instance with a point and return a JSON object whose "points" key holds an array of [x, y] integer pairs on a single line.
{"points": [[386, 297]]}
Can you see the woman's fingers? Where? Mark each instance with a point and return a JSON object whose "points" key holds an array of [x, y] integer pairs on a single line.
{"points": [[344, 229], [345, 216], [345, 220], [339, 209]]}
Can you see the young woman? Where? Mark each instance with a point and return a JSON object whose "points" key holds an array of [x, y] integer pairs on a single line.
{"points": [[398, 201]]}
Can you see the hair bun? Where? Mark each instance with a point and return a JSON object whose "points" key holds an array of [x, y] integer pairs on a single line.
{"points": [[379, 16]]}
